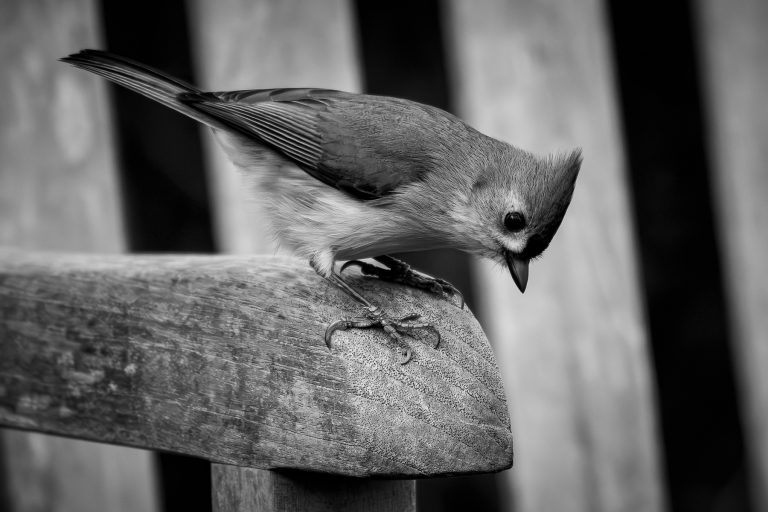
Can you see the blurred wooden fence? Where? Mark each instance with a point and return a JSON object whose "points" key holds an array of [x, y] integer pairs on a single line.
{"points": [[734, 47], [574, 346], [573, 350]]}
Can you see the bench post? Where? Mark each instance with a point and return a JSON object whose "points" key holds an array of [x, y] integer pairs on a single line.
{"points": [[238, 489]]}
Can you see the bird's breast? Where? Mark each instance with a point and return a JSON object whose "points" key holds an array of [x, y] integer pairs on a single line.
{"points": [[310, 217]]}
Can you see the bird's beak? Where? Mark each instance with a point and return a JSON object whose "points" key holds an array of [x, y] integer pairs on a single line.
{"points": [[519, 269]]}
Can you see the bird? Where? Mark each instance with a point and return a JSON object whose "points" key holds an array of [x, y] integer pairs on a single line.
{"points": [[348, 176]]}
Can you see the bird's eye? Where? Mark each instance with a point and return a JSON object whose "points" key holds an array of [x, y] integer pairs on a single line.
{"points": [[514, 221]]}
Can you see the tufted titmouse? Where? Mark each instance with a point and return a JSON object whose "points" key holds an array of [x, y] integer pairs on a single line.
{"points": [[360, 176]]}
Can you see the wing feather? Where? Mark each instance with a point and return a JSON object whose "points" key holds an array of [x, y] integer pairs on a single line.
{"points": [[291, 134], [366, 146]]}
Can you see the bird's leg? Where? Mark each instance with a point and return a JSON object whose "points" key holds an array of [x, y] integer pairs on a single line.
{"points": [[400, 272], [374, 317]]}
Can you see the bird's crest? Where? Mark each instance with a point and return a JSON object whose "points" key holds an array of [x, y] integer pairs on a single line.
{"points": [[549, 190]]}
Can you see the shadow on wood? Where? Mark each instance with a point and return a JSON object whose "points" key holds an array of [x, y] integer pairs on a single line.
{"points": [[223, 358]]}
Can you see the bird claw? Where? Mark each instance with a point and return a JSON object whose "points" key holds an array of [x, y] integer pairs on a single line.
{"points": [[450, 290], [375, 317], [354, 263], [402, 273], [408, 318], [404, 328], [338, 325]]}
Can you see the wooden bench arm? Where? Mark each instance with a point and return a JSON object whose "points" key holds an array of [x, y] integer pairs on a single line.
{"points": [[223, 357]]}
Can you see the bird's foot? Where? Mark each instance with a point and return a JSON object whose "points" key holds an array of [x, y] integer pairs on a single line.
{"points": [[395, 328], [402, 273]]}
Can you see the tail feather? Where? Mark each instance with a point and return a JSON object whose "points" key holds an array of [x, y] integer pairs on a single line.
{"points": [[142, 79]]}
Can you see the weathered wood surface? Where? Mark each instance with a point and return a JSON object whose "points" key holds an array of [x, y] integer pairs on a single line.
{"points": [[223, 358], [238, 489], [734, 45], [59, 191], [573, 349]]}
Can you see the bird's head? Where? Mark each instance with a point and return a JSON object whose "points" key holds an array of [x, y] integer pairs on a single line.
{"points": [[518, 201]]}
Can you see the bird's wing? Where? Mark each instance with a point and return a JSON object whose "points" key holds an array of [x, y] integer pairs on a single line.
{"points": [[367, 146]]}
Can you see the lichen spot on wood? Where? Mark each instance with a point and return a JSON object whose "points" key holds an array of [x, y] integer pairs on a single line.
{"points": [[30, 403], [65, 412], [85, 378]]}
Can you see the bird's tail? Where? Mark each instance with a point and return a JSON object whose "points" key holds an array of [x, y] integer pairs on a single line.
{"points": [[142, 79]]}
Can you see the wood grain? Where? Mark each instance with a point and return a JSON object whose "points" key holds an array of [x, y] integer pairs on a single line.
{"points": [[59, 190], [573, 350], [734, 46], [223, 358]]}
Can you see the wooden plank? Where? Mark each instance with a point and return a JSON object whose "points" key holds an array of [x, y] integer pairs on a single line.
{"points": [[734, 45], [573, 349], [241, 44], [224, 358], [58, 190], [255, 490]]}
